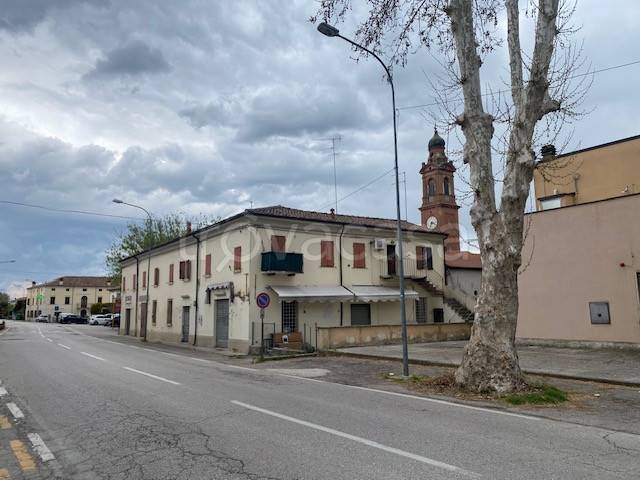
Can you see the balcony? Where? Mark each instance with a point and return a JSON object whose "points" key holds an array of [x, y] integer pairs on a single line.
{"points": [[413, 270], [281, 262]]}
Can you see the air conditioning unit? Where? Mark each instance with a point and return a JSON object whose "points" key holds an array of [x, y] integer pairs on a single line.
{"points": [[379, 244]]}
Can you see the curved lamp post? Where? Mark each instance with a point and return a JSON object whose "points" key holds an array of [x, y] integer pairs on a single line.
{"points": [[331, 31], [146, 316]]}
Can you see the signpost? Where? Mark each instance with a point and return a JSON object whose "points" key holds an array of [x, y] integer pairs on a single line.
{"points": [[262, 300]]}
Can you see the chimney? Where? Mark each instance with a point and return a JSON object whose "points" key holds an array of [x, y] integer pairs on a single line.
{"points": [[188, 227], [548, 152], [333, 212], [33, 283], [61, 281]]}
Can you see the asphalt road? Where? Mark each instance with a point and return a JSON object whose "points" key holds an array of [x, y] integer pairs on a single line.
{"points": [[108, 410]]}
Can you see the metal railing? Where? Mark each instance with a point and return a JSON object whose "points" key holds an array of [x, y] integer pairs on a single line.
{"points": [[413, 269], [282, 262]]}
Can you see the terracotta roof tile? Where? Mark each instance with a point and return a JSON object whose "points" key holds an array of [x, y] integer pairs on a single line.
{"points": [[77, 281], [463, 260]]}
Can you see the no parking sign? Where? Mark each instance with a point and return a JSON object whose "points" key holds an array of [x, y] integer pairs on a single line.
{"points": [[263, 300]]}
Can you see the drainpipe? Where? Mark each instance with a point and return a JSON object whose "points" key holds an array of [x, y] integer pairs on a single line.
{"points": [[137, 282], [195, 330], [340, 263]]}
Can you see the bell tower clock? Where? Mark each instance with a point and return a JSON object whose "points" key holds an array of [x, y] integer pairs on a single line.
{"points": [[439, 210]]}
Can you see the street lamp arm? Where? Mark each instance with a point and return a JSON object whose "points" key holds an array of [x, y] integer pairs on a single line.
{"points": [[370, 52], [139, 207]]}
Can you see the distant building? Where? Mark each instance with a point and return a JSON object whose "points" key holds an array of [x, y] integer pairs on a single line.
{"points": [[580, 274], [69, 294]]}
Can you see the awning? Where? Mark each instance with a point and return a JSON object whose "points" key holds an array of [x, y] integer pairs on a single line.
{"points": [[312, 294], [371, 293]]}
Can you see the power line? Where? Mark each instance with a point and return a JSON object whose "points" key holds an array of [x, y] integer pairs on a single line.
{"points": [[605, 69], [359, 189], [63, 210]]}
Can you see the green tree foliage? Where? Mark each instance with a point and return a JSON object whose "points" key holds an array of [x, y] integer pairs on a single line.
{"points": [[139, 237], [5, 306]]}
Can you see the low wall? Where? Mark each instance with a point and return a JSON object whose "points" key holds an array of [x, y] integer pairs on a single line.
{"points": [[338, 337]]}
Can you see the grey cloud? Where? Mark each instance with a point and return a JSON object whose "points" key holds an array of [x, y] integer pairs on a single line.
{"points": [[23, 15], [134, 58]]}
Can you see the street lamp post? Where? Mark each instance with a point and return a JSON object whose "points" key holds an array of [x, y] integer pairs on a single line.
{"points": [[146, 313], [331, 31]]}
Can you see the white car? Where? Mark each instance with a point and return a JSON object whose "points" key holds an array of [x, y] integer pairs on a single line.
{"points": [[42, 319], [99, 319]]}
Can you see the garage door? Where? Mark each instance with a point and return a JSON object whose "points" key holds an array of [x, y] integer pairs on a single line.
{"points": [[360, 314]]}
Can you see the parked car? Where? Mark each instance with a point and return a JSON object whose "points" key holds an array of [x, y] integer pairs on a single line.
{"points": [[2, 325], [114, 320], [73, 319], [99, 319], [42, 319]]}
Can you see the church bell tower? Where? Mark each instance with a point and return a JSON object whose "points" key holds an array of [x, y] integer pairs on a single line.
{"points": [[439, 210]]}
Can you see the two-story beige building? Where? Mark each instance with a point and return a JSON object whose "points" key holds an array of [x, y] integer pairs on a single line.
{"points": [[321, 271], [580, 279], [69, 294]]}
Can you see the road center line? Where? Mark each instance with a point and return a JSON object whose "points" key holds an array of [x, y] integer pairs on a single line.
{"points": [[40, 447], [64, 346], [162, 379], [49, 340], [93, 356], [364, 441], [15, 411]]}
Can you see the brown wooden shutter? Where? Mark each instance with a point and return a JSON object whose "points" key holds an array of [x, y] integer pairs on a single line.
{"points": [[237, 259], [207, 264], [171, 273], [135, 283], [156, 277], [278, 243], [144, 279], [124, 286], [429, 258], [188, 273], [326, 253], [182, 270], [358, 256], [420, 257]]}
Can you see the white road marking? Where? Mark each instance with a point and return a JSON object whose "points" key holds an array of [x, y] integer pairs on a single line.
{"points": [[49, 340], [40, 447], [64, 346], [93, 356], [3, 391], [364, 441], [162, 379], [15, 411], [416, 397]]}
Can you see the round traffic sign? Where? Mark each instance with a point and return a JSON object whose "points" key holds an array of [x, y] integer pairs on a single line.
{"points": [[263, 300]]}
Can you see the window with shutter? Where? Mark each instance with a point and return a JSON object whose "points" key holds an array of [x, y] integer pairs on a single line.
{"points": [[156, 277], [135, 283], [359, 256], [170, 274], [420, 257], [237, 259], [429, 258], [278, 243], [144, 279], [207, 265], [188, 273], [182, 270], [326, 253]]}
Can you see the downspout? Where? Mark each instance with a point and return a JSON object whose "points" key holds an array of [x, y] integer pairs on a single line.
{"points": [[137, 281], [340, 263], [195, 330]]}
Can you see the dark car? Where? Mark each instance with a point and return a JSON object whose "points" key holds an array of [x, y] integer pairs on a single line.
{"points": [[73, 319], [114, 321]]}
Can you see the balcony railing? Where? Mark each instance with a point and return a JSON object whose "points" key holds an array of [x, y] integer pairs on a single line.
{"points": [[284, 262], [413, 269]]}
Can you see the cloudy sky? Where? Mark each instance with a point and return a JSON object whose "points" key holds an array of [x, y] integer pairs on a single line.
{"points": [[209, 107]]}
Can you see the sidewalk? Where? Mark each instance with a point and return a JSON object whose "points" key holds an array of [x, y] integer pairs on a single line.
{"points": [[616, 366]]}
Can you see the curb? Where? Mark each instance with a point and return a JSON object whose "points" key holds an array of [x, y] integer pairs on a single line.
{"points": [[434, 363]]}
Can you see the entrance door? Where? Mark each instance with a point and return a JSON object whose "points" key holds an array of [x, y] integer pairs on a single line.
{"points": [[185, 324], [222, 323], [127, 321], [143, 320], [391, 259], [360, 314]]}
